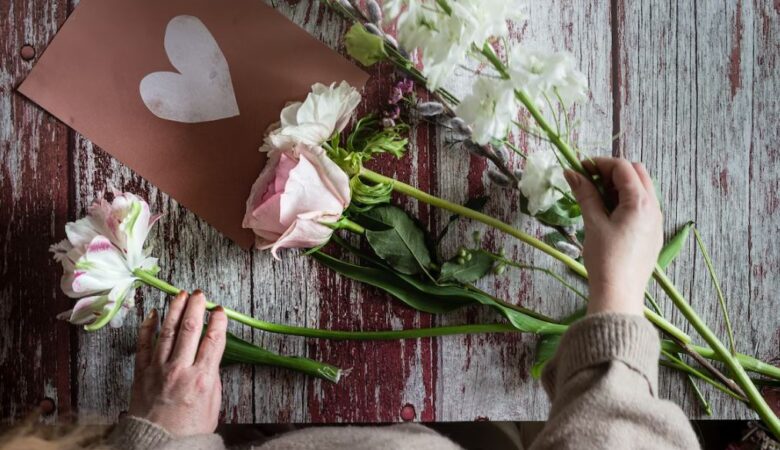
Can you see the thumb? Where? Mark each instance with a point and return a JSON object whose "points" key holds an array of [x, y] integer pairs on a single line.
{"points": [[587, 196]]}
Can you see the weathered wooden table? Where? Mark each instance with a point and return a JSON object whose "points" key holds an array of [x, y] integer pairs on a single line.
{"points": [[691, 85]]}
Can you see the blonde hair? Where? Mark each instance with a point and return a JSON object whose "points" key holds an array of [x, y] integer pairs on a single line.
{"points": [[31, 434]]}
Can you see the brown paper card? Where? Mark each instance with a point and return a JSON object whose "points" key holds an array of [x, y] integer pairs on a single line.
{"points": [[181, 130]]}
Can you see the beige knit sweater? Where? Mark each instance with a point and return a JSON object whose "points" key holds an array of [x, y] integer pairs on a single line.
{"points": [[602, 381]]}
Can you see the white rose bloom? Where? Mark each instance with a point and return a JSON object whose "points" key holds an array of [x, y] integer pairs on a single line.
{"points": [[326, 110], [542, 182], [541, 74], [489, 109]]}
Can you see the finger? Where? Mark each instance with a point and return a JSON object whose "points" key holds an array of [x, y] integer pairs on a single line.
{"points": [[167, 337], [627, 183], [212, 346], [645, 178], [587, 196], [145, 347], [216, 402], [190, 329]]}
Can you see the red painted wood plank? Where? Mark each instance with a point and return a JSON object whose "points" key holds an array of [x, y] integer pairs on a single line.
{"points": [[34, 346]]}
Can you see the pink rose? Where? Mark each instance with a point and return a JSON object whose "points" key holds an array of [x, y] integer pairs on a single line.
{"points": [[299, 189]]}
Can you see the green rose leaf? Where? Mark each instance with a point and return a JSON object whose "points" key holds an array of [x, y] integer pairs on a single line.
{"points": [[469, 271], [401, 243], [563, 213], [396, 285], [365, 47]]}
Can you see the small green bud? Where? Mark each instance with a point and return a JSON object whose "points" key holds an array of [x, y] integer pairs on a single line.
{"points": [[462, 252], [498, 269], [502, 252], [477, 237], [365, 47], [460, 261], [468, 256]]}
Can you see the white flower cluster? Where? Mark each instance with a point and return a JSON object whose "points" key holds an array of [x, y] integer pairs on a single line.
{"points": [[446, 30], [543, 183], [544, 75]]}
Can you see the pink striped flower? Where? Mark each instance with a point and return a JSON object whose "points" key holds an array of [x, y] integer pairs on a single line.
{"points": [[99, 256]]}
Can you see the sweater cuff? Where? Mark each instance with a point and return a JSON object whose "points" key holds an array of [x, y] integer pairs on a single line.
{"points": [[605, 337], [135, 433]]}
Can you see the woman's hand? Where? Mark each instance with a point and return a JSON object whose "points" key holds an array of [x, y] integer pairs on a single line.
{"points": [[176, 383], [620, 248]]}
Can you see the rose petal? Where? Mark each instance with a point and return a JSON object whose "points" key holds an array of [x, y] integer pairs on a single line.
{"points": [[305, 232]]}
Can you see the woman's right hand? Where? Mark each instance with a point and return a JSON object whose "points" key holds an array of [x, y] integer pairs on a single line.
{"points": [[621, 248], [176, 383]]}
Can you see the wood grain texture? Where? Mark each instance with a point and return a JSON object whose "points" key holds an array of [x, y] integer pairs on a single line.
{"points": [[692, 86], [34, 347], [691, 89]]}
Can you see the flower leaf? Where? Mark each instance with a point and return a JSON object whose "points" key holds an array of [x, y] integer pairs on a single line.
{"points": [[365, 47], [673, 248], [239, 351], [431, 295], [545, 350], [390, 282], [402, 243], [469, 271]]}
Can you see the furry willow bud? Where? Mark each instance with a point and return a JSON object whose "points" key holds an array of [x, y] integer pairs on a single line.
{"points": [[475, 149], [428, 109], [374, 11], [373, 29], [498, 178], [460, 130], [569, 249], [347, 6], [501, 153]]}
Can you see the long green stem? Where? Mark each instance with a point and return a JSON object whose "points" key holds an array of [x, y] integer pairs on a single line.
{"points": [[570, 262], [737, 370], [330, 334]]}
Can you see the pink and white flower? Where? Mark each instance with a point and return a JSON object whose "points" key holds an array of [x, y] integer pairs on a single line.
{"points": [[326, 110], [299, 190], [99, 256]]}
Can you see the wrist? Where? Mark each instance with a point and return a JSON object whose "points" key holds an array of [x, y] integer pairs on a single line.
{"points": [[608, 299]]}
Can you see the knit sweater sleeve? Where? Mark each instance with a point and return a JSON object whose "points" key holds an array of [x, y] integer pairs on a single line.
{"points": [[135, 433], [603, 383]]}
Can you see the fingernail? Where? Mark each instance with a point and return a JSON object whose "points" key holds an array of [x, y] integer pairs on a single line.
{"points": [[219, 308], [152, 314], [572, 178], [181, 294], [197, 292]]}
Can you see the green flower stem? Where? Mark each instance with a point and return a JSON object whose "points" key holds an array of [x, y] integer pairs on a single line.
{"points": [[570, 262], [732, 362], [271, 327]]}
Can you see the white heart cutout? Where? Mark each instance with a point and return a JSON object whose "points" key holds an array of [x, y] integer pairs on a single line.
{"points": [[202, 90]]}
